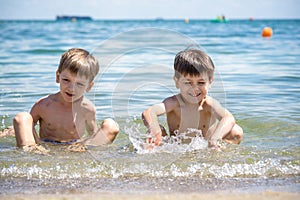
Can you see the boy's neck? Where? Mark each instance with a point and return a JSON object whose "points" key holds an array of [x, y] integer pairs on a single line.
{"points": [[65, 103], [182, 101]]}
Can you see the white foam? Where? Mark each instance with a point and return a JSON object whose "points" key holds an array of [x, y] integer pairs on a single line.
{"points": [[173, 144]]}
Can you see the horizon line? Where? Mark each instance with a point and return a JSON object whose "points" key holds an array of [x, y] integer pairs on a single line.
{"points": [[147, 19]]}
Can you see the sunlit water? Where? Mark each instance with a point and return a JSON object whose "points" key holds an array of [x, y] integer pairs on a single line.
{"points": [[257, 79]]}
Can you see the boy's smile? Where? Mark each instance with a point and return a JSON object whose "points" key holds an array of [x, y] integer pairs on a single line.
{"points": [[193, 88]]}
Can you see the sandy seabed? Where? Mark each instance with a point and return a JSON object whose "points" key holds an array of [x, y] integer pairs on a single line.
{"points": [[266, 195], [150, 189]]}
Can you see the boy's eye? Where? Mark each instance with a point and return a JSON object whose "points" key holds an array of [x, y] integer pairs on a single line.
{"points": [[201, 83], [80, 84], [65, 79], [187, 83]]}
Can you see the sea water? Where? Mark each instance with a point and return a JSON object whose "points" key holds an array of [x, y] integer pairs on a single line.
{"points": [[256, 78]]}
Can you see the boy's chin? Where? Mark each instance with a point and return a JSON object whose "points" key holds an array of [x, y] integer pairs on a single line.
{"points": [[70, 99], [194, 100]]}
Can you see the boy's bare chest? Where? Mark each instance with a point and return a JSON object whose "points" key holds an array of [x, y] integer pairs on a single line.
{"points": [[61, 121], [192, 118]]}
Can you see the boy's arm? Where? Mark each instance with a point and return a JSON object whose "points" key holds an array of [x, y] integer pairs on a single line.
{"points": [[150, 119], [91, 122], [35, 113], [226, 122]]}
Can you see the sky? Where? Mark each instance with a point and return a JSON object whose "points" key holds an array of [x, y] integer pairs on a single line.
{"points": [[150, 9]]}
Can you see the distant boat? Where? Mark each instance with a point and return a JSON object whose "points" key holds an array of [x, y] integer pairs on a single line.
{"points": [[73, 18], [158, 19], [219, 19]]}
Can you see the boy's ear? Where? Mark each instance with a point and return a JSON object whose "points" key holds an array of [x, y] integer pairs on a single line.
{"points": [[176, 82], [90, 86], [57, 76], [211, 80]]}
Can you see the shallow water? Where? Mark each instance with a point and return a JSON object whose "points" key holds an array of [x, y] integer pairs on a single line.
{"points": [[257, 79]]}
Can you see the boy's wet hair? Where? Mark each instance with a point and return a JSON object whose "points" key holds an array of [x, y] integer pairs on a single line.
{"points": [[193, 62], [79, 61]]}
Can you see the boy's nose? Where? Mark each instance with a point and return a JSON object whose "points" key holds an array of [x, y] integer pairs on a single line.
{"points": [[195, 89], [71, 86]]}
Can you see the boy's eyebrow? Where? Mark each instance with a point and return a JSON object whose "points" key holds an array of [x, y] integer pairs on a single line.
{"points": [[82, 82], [64, 77], [77, 80], [187, 79]]}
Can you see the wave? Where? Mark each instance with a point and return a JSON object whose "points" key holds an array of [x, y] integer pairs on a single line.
{"points": [[128, 157], [42, 51], [157, 165]]}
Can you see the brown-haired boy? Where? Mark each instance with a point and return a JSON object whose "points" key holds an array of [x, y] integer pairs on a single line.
{"points": [[192, 107]]}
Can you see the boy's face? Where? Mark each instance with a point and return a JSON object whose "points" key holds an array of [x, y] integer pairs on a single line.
{"points": [[193, 88], [72, 86]]}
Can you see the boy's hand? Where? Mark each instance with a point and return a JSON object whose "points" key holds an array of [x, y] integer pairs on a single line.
{"points": [[150, 120], [77, 147], [7, 131], [155, 138], [213, 143]]}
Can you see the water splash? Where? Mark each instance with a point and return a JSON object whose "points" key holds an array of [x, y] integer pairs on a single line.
{"points": [[189, 141], [172, 159]]}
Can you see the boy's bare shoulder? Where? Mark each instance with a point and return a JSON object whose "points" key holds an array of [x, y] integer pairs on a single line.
{"points": [[209, 100], [212, 104], [45, 100], [42, 105], [171, 102], [87, 105]]}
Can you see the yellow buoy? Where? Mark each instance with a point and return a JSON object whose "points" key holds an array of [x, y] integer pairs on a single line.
{"points": [[186, 20], [267, 32]]}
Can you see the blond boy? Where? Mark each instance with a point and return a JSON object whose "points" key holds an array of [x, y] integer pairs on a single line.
{"points": [[65, 116]]}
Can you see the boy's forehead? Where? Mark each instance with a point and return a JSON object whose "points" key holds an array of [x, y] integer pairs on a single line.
{"points": [[70, 74], [202, 76]]}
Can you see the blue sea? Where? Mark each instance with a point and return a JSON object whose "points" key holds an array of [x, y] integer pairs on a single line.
{"points": [[257, 79]]}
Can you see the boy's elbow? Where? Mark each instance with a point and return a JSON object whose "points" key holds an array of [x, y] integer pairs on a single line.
{"points": [[231, 120], [145, 115]]}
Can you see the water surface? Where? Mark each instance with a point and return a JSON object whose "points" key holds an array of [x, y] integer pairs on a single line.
{"points": [[257, 79]]}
